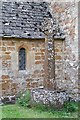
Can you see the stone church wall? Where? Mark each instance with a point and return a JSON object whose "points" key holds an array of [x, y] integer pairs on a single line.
{"points": [[15, 80]]}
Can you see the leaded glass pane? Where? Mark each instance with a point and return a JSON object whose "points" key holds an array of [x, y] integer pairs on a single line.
{"points": [[22, 59]]}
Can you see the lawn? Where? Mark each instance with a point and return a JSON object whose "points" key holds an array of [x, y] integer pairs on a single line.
{"points": [[16, 111]]}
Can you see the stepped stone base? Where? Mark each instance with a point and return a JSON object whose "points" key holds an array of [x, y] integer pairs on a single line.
{"points": [[52, 98]]}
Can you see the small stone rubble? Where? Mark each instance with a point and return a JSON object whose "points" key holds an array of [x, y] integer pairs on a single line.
{"points": [[48, 97], [7, 100]]}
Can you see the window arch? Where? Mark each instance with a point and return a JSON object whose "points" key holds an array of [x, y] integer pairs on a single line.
{"points": [[22, 59]]}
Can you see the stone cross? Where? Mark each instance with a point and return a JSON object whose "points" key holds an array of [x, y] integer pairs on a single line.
{"points": [[47, 28]]}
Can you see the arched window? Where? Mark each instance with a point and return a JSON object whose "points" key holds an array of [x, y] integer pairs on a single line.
{"points": [[22, 59]]}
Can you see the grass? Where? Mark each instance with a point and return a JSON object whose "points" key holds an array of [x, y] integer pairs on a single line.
{"points": [[25, 108], [16, 111]]}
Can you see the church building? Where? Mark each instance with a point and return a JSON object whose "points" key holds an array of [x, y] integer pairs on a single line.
{"points": [[38, 47]]}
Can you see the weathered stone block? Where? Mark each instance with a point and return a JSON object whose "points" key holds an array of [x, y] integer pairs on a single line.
{"points": [[5, 77], [11, 48], [42, 50], [7, 52], [38, 62], [37, 57], [58, 57], [3, 48], [6, 86], [6, 57], [10, 43], [58, 50], [28, 84]]}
